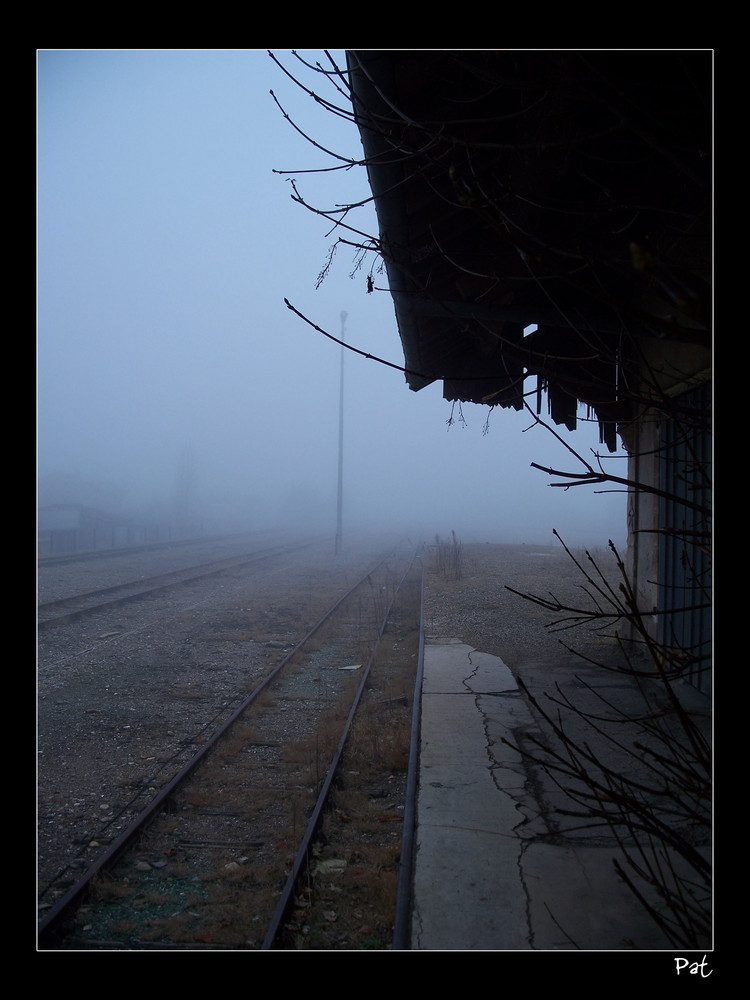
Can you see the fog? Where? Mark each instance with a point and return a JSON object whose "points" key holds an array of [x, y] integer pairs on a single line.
{"points": [[171, 374]]}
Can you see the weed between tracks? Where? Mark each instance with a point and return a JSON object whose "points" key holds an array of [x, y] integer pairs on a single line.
{"points": [[348, 899]]}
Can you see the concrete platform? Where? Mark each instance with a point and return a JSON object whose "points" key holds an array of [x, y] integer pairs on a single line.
{"points": [[489, 872]]}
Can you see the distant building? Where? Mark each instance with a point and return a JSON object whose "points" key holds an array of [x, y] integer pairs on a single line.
{"points": [[66, 529]]}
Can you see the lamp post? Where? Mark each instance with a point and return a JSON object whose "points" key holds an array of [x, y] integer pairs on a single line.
{"points": [[340, 501]]}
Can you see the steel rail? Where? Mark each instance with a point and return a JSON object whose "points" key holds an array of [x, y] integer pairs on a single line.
{"points": [[47, 936], [401, 928]]}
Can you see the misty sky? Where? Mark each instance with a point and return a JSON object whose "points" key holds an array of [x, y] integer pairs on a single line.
{"points": [[166, 248]]}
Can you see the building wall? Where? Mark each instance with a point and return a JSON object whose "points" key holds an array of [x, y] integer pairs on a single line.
{"points": [[642, 444], [669, 568]]}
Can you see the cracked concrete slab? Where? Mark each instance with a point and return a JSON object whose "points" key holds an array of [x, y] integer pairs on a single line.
{"points": [[490, 873], [467, 854]]}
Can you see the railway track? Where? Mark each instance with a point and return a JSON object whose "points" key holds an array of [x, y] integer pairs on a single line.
{"points": [[127, 695], [286, 829], [64, 610]]}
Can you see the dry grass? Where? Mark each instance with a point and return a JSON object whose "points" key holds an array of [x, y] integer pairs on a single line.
{"points": [[349, 899]]}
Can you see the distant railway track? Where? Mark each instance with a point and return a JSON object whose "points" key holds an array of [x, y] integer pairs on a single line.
{"points": [[226, 854], [65, 610], [90, 555]]}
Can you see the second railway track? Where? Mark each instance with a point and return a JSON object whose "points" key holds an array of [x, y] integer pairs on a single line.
{"points": [[220, 860], [64, 610]]}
